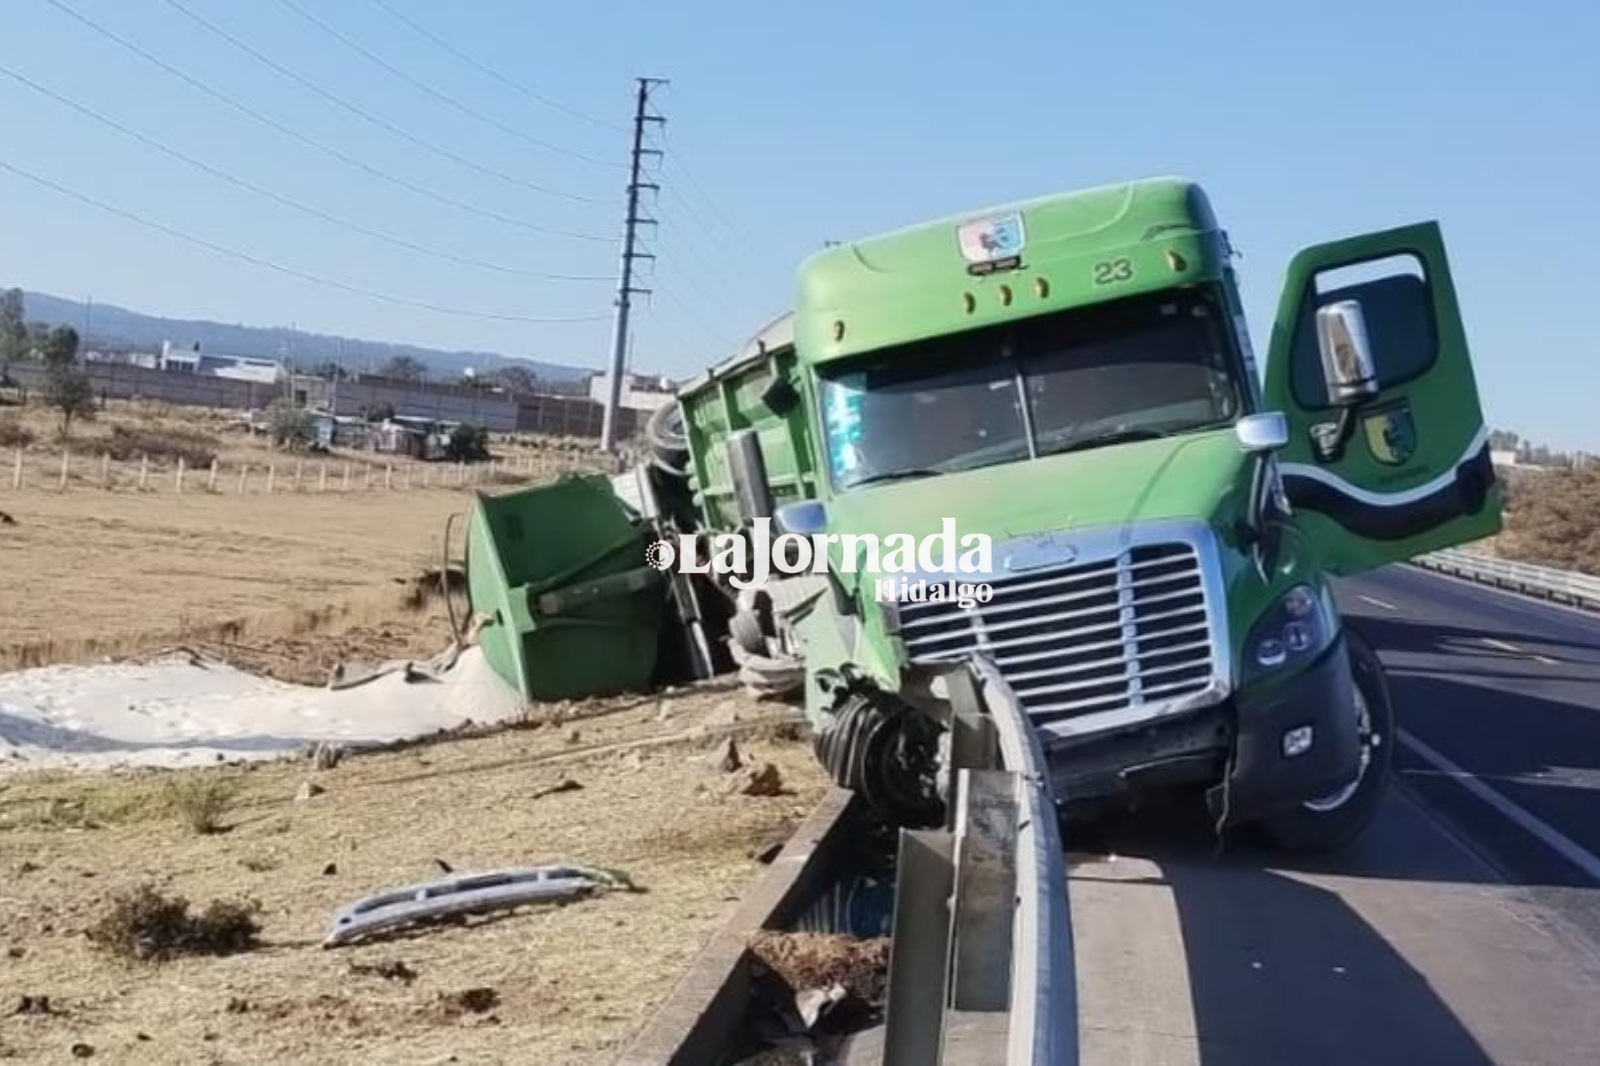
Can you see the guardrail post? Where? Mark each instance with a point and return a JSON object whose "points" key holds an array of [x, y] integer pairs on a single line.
{"points": [[919, 956], [986, 890]]}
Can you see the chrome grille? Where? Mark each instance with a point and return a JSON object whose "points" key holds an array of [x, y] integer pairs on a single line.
{"points": [[1132, 631]]}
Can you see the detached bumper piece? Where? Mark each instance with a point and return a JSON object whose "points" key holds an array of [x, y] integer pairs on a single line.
{"points": [[468, 894]]}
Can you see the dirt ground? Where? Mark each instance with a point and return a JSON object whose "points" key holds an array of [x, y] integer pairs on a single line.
{"points": [[571, 983], [88, 574]]}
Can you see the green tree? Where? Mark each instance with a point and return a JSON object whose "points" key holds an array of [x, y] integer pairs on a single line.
{"points": [[469, 443], [66, 385], [291, 426], [405, 368], [13, 326]]}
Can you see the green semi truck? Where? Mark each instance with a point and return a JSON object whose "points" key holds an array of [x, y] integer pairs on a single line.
{"points": [[1071, 378]]}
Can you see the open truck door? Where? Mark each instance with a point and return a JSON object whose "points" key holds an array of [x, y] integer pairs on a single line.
{"points": [[1388, 453]]}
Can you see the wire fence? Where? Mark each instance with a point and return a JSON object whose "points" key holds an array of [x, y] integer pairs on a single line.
{"points": [[89, 470]]}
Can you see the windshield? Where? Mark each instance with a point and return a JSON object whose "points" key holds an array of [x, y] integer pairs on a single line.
{"points": [[1140, 368]]}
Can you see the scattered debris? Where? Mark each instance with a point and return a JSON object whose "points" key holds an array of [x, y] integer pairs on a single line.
{"points": [[80, 1050], [389, 970], [820, 960], [725, 756], [825, 971], [765, 780], [444, 867], [573, 735], [27, 867], [633, 760], [308, 789], [330, 870], [7, 520], [147, 926], [237, 1005], [16, 952], [470, 1001], [27, 1004], [566, 784], [467, 894]]}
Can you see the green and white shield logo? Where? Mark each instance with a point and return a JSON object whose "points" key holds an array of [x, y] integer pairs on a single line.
{"points": [[1391, 436]]}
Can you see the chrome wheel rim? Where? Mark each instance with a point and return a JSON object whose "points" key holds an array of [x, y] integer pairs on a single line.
{"points": [[1334, 800]]}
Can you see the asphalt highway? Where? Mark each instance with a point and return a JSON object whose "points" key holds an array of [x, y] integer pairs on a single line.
{"points": [[1463, 927]]}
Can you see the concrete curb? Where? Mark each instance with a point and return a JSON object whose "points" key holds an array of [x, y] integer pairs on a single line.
{"points": [[701, 1016]]}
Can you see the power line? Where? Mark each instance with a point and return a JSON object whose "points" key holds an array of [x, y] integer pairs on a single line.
{"points": [[343, 157], [503, 79], [360, 112], [682, 165], [444, 98], [709, 331], [255, 260], [307, 209]]}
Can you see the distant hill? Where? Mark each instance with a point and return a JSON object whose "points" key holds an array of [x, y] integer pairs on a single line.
{"points": [[117, 327]]}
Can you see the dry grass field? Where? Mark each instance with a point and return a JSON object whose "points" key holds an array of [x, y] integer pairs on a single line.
{"points": [[88, 572], [568, 984], [290, 584]]}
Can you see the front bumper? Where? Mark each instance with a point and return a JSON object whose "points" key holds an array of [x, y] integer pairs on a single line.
{"points": [[1234, 748]]}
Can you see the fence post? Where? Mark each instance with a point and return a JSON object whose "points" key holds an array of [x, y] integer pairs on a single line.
{"points": [[388, 475], [144, 471], [299, 468], [272, 475], [177, 477], [244, 478], [105, 470], [66, 461], [461, 474], [346, 477], [427, 476], [211, 479], [16, 471], [322, 478], [366, 482], [407, 484]]}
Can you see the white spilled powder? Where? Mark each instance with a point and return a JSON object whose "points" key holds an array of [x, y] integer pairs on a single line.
{"points": [[186, 712]]}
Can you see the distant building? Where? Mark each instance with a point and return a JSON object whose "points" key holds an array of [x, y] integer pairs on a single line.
{"points": [[639, 392], [237, 367]]}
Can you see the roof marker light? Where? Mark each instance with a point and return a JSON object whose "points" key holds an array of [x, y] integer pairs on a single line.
{"points": [[1005, 296], [1042, 287], [969, 301], [1177, 262], [838, 329]]}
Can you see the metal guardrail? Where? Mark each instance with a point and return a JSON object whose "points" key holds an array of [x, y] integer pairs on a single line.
{"points": [[982, 969], [1566, 586]]}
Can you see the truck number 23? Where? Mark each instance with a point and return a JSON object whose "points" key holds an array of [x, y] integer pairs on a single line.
{"points": [[1110, 271]]}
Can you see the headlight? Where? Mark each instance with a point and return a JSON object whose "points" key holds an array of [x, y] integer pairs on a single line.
{"points": [[1296, 629]]}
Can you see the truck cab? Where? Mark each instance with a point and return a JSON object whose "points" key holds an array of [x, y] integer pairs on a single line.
{"points": [[1073, 377]]}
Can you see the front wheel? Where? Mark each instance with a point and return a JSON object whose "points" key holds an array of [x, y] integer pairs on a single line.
{"points": [[1327, 823]]}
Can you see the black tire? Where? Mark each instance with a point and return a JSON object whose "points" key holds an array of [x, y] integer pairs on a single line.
{"points": [[668, 439], [1331, 823]]}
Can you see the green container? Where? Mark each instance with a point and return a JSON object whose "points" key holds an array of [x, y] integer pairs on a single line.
{"points": [[558, 574]]}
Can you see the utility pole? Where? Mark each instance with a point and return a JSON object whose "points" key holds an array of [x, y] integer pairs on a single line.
{"points": [[625, 289]]}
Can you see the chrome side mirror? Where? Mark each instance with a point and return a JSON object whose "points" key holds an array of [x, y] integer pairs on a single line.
{"points": [[804, 517], [1348, 365], [1262, 434]]}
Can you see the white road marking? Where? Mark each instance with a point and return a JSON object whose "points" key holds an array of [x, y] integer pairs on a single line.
{"points": [[1545, 833], [1501, 645], [1377, 603]]}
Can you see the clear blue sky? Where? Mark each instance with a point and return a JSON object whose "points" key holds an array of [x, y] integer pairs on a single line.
{"points": [[794, 124]]}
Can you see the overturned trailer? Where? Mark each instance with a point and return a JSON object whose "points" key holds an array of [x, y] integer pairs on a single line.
{"points": [[1070, 381]]}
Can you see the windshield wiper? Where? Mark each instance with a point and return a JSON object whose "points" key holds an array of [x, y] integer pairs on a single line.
{"points": [[895, 475], [1115, 436]]}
